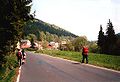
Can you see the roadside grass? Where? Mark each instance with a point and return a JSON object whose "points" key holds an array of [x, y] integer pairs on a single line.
{"points": [[103, 60], [8, 72]]}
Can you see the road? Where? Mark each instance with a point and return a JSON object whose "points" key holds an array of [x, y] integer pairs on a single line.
{"points": [[42, 68]]}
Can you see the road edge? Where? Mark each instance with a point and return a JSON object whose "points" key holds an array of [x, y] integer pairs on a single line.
{"points": [[19, 72], [84, 64]]}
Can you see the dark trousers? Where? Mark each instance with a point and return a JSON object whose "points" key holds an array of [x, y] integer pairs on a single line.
{"points": [[19, 61], [85, 57]]}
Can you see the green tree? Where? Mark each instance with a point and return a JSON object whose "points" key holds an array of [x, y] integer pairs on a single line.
{"points": [[13, 15], [42, 36], [69, 46], [93, 47], [32, 38], [45, 44], [101, 40], [110, 38], [79, 42], [48, 36]]}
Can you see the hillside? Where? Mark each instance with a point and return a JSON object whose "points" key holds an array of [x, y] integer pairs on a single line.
{"points": [[118, 35], [36, 26]]}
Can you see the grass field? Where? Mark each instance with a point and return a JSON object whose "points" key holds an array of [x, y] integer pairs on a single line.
{"points": [[103, 60]]}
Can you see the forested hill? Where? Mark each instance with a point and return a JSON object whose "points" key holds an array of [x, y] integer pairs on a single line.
{"points": [[36, 26], [118, 35]]}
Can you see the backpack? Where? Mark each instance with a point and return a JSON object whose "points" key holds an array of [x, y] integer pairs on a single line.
{"points": [[85, 50], [19, 54]]}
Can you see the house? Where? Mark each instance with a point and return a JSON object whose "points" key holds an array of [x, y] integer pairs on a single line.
{"points": [[53, 45], [63, 45], [25, 44]]}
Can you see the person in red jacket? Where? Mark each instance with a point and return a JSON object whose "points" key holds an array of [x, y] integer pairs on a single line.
{"points": [[19, 57], [85, 54]]}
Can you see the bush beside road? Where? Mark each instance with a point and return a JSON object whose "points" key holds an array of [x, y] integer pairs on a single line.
{"points": [[8, 72]]}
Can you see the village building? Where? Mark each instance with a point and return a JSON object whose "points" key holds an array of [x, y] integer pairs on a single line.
{"points": [[23, 44]]}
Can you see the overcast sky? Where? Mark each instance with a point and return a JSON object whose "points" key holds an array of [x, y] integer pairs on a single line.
{"points": [[81, 17]]}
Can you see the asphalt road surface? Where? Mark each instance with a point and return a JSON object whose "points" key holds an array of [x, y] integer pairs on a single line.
{"points": [[42, 68]]}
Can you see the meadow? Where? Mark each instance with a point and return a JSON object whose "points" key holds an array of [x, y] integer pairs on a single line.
{"points": [[102, 60]]}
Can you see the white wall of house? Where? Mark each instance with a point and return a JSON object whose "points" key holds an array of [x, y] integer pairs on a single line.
{"points": [[25, 44], [54, 45]]}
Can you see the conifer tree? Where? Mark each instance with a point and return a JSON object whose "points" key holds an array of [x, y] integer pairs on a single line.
{"points": [[110, 38], [101, 39]]}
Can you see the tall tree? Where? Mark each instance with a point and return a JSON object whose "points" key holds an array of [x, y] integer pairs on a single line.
{"points": [[101, 40], [42, 36], [13, 14], [110, 38]]}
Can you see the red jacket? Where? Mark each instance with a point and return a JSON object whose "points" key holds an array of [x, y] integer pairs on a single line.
{"points": [[85, 50]]}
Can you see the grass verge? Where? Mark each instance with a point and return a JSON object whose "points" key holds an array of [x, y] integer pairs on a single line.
{"points": [[8, 72], [103, 60]]}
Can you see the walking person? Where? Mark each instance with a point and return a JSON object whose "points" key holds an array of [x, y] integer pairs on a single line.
{"points": [[24, 56], [19, 57], [85, 54]]}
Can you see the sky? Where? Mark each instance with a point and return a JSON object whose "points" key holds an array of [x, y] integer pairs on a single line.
{"points": [[80, 17]]}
